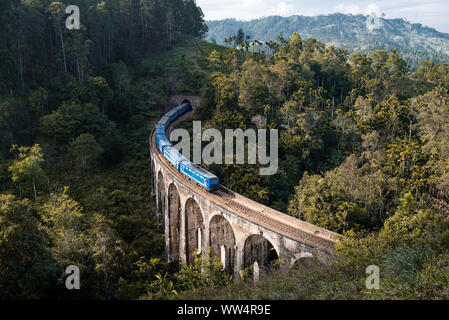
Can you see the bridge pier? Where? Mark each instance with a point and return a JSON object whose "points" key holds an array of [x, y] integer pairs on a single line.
{"points": [[182, 243], [166, 226], [239, 258]]}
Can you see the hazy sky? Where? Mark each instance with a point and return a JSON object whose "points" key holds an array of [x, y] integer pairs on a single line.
{"points": [[434, 14]]}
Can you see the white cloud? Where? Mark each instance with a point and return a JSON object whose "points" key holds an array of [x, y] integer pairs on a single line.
{"points": [[348, 9], [284, 9], [356, 9], [251, 4], [247, 9], [372, 8]]}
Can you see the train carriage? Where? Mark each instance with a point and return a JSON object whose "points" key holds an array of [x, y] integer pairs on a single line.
{"points": [[162, 141], [183, 108], [164, 122], [172, 115], [160, 129], [200, 176], [173, 156]]}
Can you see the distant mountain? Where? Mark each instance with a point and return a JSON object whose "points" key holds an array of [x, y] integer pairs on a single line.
{"points": [[357, 33]]}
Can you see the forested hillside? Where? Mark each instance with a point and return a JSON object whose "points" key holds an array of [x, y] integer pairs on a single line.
{"points": [[363, 151], [413, 41], [76, 109]]}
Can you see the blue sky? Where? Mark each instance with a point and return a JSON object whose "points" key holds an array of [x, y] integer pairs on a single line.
{"points": [[434, 14]]}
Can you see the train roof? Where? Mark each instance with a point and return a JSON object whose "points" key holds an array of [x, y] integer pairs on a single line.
{"points": [[175, 153], [182, 108], [164, 121], [200, 170], [171, 113], [162, 137], [183, 105]]}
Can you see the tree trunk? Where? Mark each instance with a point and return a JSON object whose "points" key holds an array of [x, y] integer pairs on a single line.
{"points": [[106, 282], [22, 81], [20, 190], [63, 49], [34, 190], [79, 72]]}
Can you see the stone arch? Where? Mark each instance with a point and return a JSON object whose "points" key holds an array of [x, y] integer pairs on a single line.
{"points": [[161, 202], [174, 220], [194, 230], [306, 260], [186, 101], [258, 248], [222, 241]]}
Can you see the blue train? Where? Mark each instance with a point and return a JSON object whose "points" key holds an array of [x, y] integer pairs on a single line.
{"points": [[205, 179]]}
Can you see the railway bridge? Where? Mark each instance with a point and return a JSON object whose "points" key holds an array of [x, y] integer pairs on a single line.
{"points": [[240, 232]]}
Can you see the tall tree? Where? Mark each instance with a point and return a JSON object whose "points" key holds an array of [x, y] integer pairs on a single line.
{"points": [[27, 268], [57, 10], [85, 150], [28, 165]]}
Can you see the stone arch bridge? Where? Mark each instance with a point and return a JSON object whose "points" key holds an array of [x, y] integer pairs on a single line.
{"points": [[239, 231]]}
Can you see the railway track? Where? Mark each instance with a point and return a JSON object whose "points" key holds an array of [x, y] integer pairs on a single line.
{"points": [[275, 225], [223, 199]]}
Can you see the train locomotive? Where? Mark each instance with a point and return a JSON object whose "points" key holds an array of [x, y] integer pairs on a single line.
{"points": [[191, 171]]}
